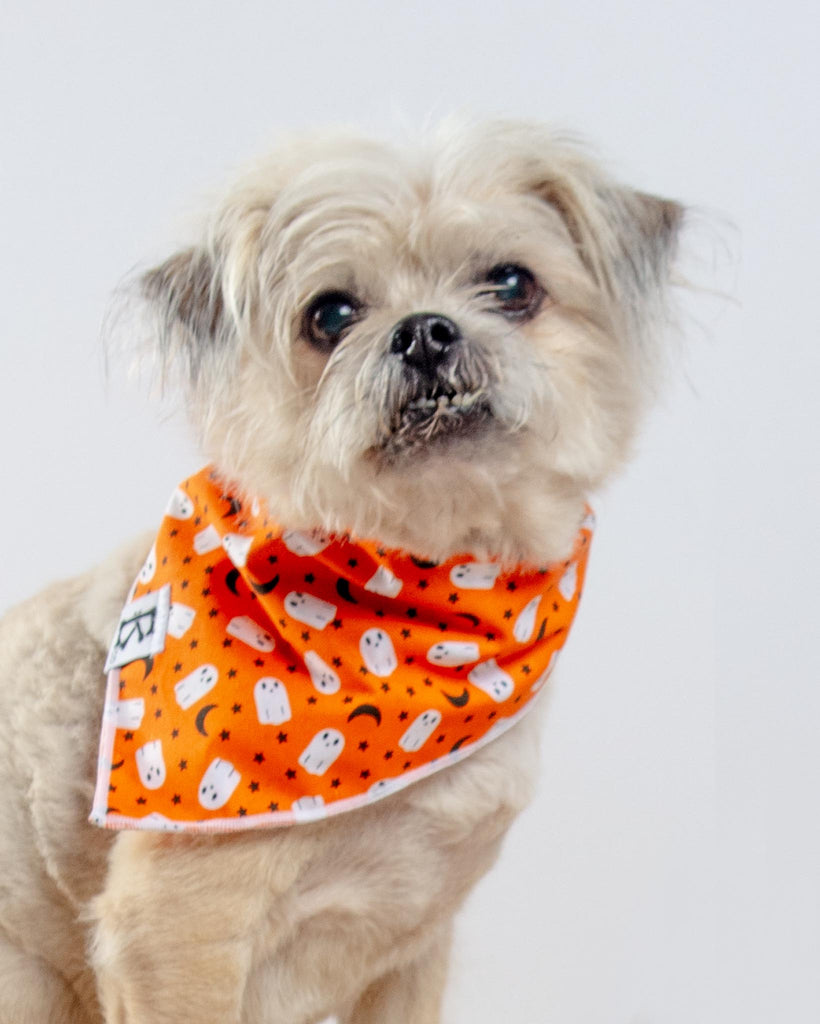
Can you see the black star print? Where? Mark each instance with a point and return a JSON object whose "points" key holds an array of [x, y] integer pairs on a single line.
{"points": [[388, 754], [129, 735], [282, 737], [273, 806], [186, 560], [380, 612], [468, 718], [283, 624], [452, 598], [176, 798], [364, 745], [490, 636], [347, 700], [352, 563], [259, 758], [311, 700], [272, 558], [306, 635], [227, 643], [555, 606], [194, 644], [406, 633], [231, 673], [337, 623], [236, 708], [428, 681], [291, 668], [406, 765], [206, 592], [409, 659], [491, 715], [365, 774], [517, 699], [440, 739], [511, 585], [411, 692], [442, 626], [174, 733], [337, 662], [258, 662], [402, 716], [141, 800], [335, 783], [526, 669], [241, 812], [122, 685], [209, 569], [253, 787], [158, 713], [291, 774], [386, 687], [309, 577], [165, 560], [173, 533], [184, 584], [154, 688], [178, 667], [412, 613], [212, 614], [422, 584], [363, 670], [508, 613], [224, 735]]}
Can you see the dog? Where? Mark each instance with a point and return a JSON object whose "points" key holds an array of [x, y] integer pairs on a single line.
{"points": [[440, 352]]}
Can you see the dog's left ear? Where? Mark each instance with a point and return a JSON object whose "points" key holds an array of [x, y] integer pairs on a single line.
{"points": [[626, 239]]}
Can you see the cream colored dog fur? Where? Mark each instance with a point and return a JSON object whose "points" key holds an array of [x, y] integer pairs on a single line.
{"points": [[350, 916]]}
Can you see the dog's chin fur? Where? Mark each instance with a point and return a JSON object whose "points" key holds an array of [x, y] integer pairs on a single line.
{"points": [[351, 915]]}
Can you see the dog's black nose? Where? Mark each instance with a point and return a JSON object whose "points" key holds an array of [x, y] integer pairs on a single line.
{"points": [[424, 339]]}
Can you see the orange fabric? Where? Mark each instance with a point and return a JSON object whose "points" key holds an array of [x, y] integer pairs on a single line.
{"points": [[301, 675]]}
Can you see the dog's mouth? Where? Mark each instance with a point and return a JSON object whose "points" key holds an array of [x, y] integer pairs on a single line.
{"points": [[438, 416]]}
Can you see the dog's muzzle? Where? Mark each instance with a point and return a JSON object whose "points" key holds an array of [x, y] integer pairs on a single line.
{"points": [[443, 397]]}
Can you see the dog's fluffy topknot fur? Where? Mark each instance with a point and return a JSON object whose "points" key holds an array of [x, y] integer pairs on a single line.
{"points": [[445, 350]]}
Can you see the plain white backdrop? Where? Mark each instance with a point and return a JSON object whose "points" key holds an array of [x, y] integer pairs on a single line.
{"points": [[668, 871]]}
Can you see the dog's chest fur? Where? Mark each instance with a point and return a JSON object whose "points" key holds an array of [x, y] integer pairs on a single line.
{"points": [[385, 875]]}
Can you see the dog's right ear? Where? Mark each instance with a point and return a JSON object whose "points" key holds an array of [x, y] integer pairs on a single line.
{"points": [[185, 295]]}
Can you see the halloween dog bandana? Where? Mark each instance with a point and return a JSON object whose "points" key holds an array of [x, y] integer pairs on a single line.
{"points": [[261, 676]]}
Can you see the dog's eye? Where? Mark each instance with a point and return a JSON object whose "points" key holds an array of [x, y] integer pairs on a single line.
{"points": [[328, 317], [515, 289]]}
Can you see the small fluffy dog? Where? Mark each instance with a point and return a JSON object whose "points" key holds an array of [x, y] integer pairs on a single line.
{"points": [[446, 351]]}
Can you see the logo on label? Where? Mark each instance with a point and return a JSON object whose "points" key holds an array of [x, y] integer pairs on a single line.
{"points": [[141, 630]]}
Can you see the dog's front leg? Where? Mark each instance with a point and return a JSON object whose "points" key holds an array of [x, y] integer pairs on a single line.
{"points": [[410, 994], [174, 929]]}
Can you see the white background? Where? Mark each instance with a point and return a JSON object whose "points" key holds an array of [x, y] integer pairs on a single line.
{"points": [[668, 871]]}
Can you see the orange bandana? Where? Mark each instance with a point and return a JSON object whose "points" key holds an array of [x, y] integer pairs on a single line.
{"points": [[262, 676]]}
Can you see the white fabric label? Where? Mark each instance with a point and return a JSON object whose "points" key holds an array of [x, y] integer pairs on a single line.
{"points": [[141, 630]]}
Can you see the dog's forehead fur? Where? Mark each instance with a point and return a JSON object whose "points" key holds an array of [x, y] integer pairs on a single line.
{"points": [[408, 231], [375, 221]]}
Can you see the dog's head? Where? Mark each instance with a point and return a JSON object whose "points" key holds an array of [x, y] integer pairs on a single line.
{"points": [[445, 349]]}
